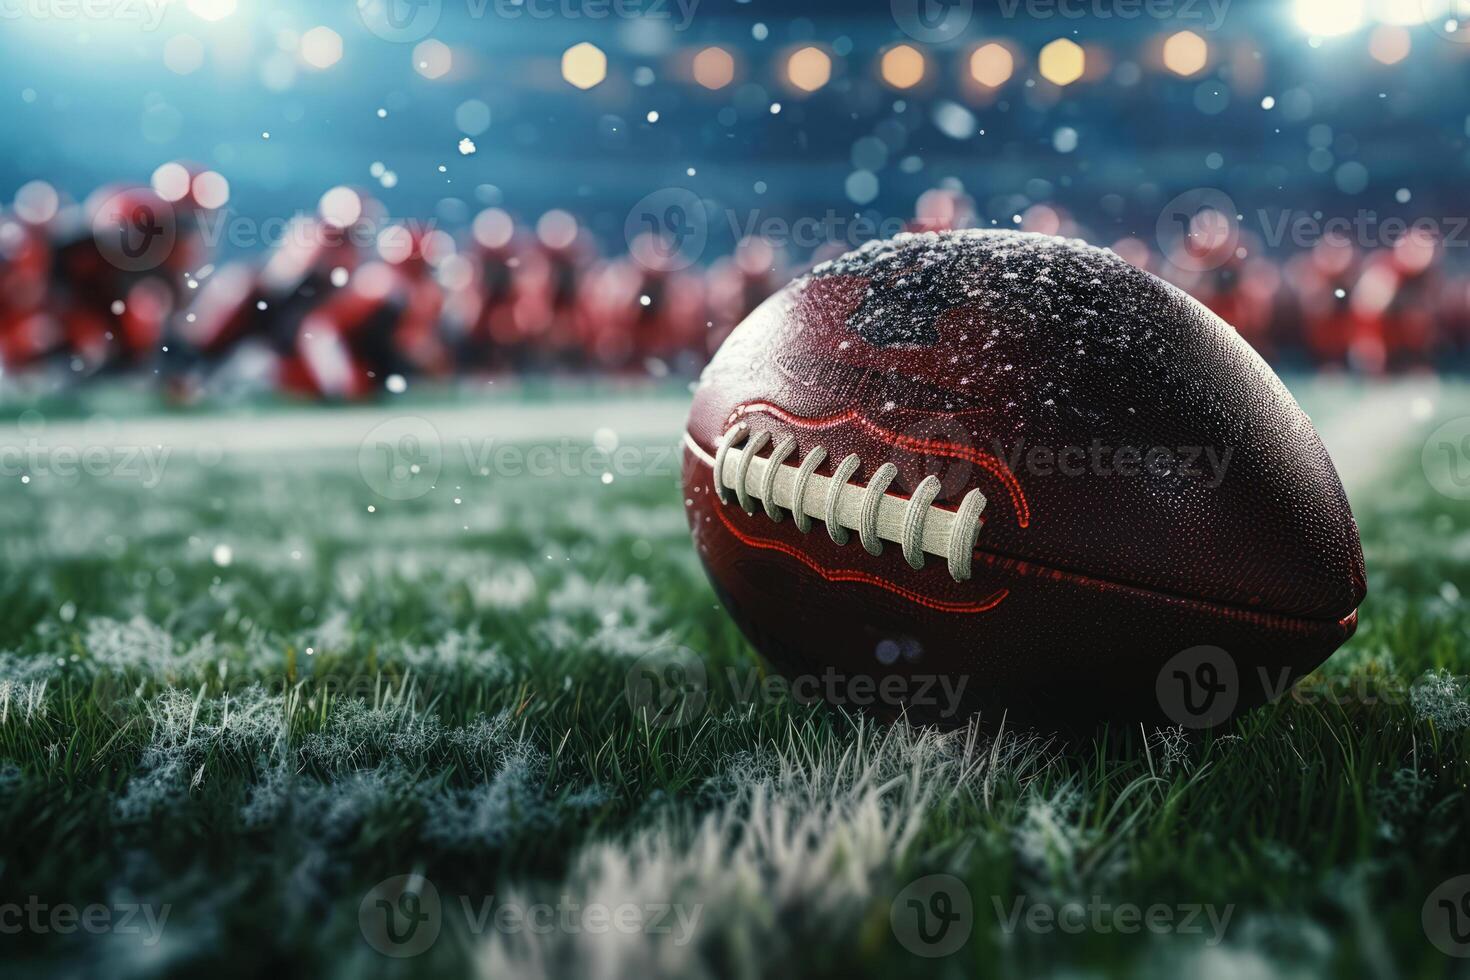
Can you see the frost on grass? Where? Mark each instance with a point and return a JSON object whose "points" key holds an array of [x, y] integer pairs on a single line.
{"points": [[616, 619], [1439, 698], [189, 731], [1400, 802], [610, 639], [1051, 838], [23, 684], [508, 588], [509, 801], [458, 653], [806, 842], [138, 644], [1168, 749], [364, 760], [629, 602], [357, 735], [326, 810]]}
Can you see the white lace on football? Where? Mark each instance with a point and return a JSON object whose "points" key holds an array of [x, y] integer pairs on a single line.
{"points": [[913, 523]]}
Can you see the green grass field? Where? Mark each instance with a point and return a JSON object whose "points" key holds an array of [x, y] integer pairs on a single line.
{"points": [[237, 699]]}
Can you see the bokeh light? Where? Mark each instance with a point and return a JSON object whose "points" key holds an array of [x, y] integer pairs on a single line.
{"points": [[37, 202], [321, 47], [903, 66], [211, 190], [183, 54], [557, 229], [341, 207], [992, 65], [714, 68], [584, 65], [494, 228], [1389, 44], [809, 68], [1329, 18], [1408, 13], [211, 10], [171, 182], [1186, 53], [432, 59], [1062, 62]]}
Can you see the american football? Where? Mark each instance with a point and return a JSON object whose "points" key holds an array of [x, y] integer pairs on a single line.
{"points": [[701, 489], [1017, 460]]}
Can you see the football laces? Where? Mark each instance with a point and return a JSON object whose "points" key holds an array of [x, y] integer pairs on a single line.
{"points": [[914, 523]]}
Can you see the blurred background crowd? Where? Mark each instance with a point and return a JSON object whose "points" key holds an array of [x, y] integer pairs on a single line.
{"points": [[397, 190]]}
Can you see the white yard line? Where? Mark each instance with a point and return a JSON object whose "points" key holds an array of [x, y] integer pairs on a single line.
{"points": [[317, 429], [1368, 428]]}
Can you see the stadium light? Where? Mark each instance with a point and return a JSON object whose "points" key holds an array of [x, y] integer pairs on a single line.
{"points": [[1062, 62], [809, 68], [992, 64], [584, 65], [1329, 18], [1186, 54], [903, 66]]}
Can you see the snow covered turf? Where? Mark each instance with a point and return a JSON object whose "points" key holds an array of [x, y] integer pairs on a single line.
{"points": [[258, 713]]}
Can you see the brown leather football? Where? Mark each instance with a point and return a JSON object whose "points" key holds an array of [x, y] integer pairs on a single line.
{"points": [[1012, 473]]}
